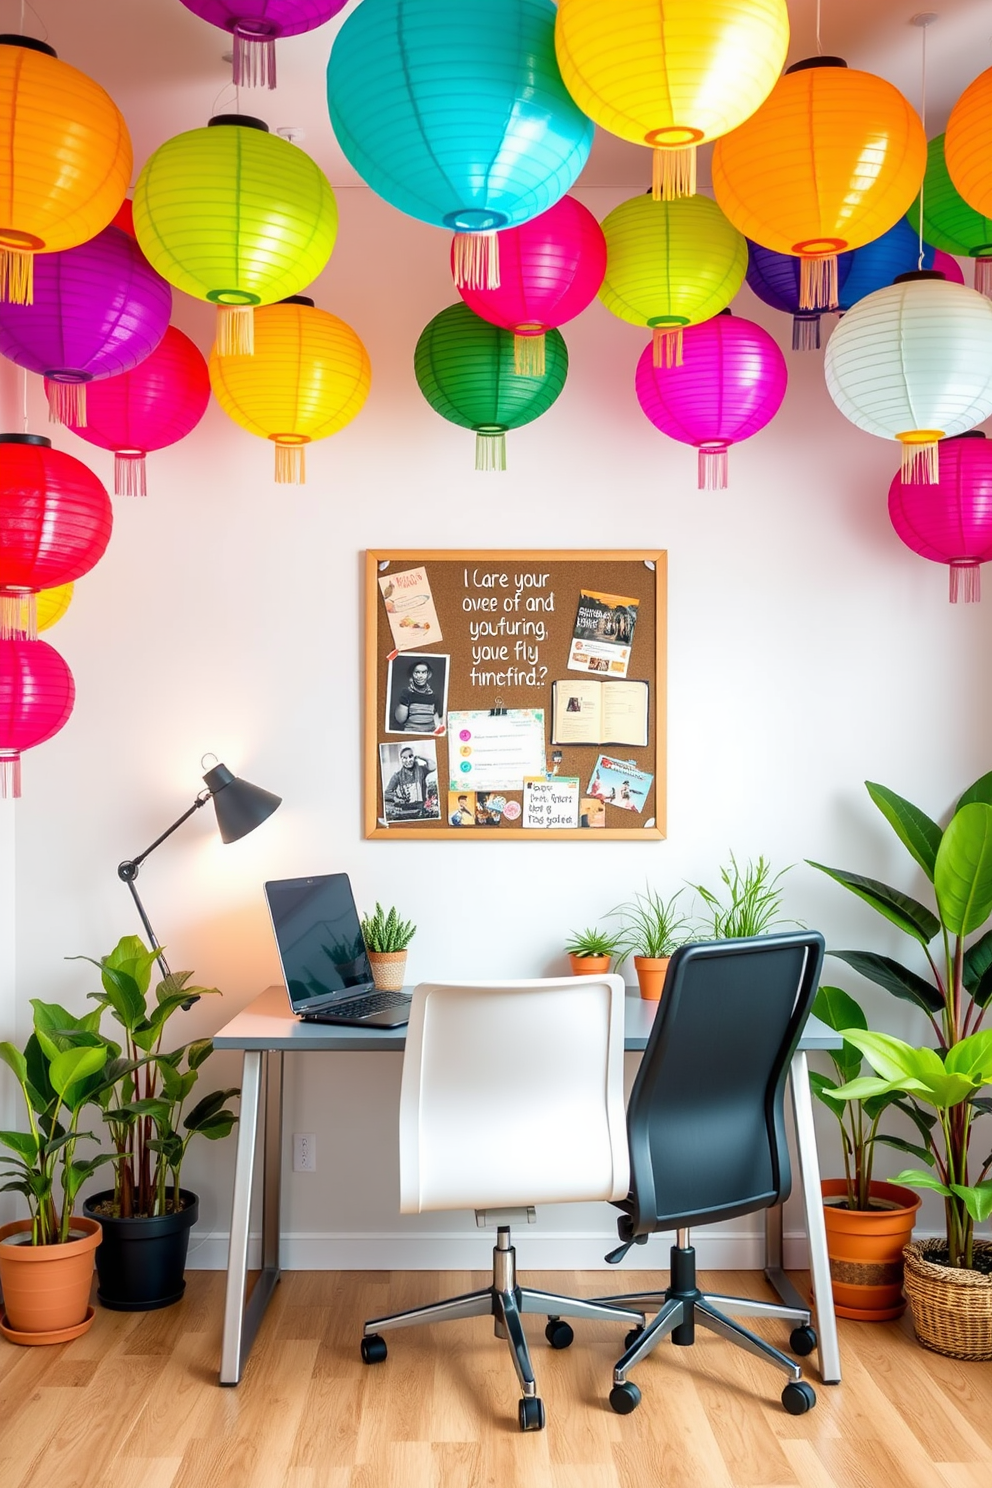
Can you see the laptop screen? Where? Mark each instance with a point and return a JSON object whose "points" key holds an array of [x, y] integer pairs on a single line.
{"points": [[319, 938]]}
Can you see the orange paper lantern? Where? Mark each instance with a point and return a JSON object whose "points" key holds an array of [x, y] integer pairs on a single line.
{"points": [[967, 144]]}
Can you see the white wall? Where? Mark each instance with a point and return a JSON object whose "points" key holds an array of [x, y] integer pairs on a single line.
{"points": [[809, 651]]}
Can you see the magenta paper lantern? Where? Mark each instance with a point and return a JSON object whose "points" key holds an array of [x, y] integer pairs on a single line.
{"points": [[36, 697], [256, 26], [98, 310], [730, 387], [947, 265], [154, 405], [551, 269], [951, 522]]}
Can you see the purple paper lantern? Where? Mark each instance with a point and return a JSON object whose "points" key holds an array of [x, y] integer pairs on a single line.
{"points": [[98, 310], [774, 278], [730, 386], [951, 522], [257, 25]]}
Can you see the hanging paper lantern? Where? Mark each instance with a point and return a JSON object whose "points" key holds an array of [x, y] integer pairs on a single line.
{"points": [[50, 607], [948, 266], [65, 160], [36, 697], [913, 362], [966, 144], [879, 264], [552, 268], [465, 369], [457, 115], [671, 74], [237, 216], [951, 522], [670, 264], [124, 217], [256, 26], [948, 221], [774, 278], [156, 404], [731, 385], [98, 310], [55, 522], [831, 159], [309, 377]]}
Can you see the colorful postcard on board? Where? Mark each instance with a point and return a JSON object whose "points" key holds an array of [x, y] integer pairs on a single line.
{"points": [[618, 782], [551, 801], [461, 808], [409, 781], [495, 751], [417, 694], [410, 607], [603, 634]]}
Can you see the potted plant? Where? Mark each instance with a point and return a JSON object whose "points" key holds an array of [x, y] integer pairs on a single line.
{"points": [[651, 928], [590, 951], [867, 1220], [147, 1215], [949, 1280], [386, 939], [749, 907], [46, 1261]]}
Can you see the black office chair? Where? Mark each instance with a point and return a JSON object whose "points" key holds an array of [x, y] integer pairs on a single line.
{"points": [[707, 1138]]}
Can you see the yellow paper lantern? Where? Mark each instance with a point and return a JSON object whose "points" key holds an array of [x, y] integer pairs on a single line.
{"points": [[671, 74], [51, 605], [830, 161], [65, 160], [309, 376], [968, 144]]}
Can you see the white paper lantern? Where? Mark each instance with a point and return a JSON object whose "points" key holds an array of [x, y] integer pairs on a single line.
{"points": [[913, 362]]}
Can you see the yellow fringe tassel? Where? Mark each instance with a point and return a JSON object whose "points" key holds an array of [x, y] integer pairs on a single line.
{"points": [[129, 475], [818, 283], [528, 355], [983, 277], [67, 404], [235, 330], [291, 464], [965, 582], [10, 777], [18, 617], [490, 451], [673, 173], [920, 464], [16, 276], [476, 260], [667, 344]]}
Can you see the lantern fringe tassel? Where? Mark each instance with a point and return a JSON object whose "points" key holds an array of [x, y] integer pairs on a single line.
{"points": [[235, 330], [528, 355], [983, 277], [805, 333], [673, 173], [10, 777], [920, 464], [16, 276], [476, 260], [818, 283], [712, 470], [667, 346], [254, 64], [129, 475], [965, 582], [490, 451], [291, 464], [18, 617], [67, 404]]}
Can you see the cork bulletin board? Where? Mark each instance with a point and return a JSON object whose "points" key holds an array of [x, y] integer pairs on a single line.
{"points": [[515, 695]]}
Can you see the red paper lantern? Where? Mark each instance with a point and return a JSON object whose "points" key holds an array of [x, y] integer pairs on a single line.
{"points": [[55, 523], [36, 697]]}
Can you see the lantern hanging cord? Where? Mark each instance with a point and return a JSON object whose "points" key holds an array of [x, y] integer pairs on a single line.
{"points": [[923, 121], [819, 44], [24, 400]]}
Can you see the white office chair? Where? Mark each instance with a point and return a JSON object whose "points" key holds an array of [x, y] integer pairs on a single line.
{"points": [[512, 1095]]}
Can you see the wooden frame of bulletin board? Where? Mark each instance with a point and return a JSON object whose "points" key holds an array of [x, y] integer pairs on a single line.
{"points": [[567, 732]]}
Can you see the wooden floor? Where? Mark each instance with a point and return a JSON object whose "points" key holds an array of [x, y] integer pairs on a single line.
{"points": [[135, 1403]]}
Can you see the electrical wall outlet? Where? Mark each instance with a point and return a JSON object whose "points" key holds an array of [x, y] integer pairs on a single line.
{"points": [[304, 1152]]}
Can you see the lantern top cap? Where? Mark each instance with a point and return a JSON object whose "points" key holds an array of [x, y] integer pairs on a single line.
{"points": [[918, 274], [30, 42], [808, 62], [246, 120], [297, 300], [37, 439]]}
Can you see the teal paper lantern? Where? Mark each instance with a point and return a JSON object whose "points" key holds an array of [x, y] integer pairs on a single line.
{"points": [[457, 114], [465, 369]]}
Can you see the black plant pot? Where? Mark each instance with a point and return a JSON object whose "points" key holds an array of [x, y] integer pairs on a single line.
{"points": [[140, 1262]]}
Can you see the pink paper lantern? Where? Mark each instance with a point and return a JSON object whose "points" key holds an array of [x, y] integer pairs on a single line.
{"points": [[951, 522], [730, 386], [36, 697], [551, 268], [947, 265]]}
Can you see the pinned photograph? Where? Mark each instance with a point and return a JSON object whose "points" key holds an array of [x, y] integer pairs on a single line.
{"points": [[416, 694], [619, 783], [409, 781], [461, 808], [410, 607], [603, 633]]}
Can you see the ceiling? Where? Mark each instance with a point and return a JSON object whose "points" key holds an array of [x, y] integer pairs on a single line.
{"points": [[164, 68]]}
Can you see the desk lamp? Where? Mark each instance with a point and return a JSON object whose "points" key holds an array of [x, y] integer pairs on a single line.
{"points": [[240, 808]]}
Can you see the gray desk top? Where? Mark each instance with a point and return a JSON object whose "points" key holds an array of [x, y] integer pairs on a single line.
{"points": [[267, 1023]]}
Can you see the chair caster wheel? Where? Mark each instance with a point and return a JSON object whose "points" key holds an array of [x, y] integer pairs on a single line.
{"points": [[803, 1340], [798, 1397], [373, 1349], [531, 1413], [632, 1337], [558, 1333], [625, 1398]]}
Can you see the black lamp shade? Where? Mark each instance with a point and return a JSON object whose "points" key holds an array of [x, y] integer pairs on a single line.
{"points": [[240, 807]]}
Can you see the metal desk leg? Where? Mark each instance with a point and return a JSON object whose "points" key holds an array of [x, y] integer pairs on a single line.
{"points": [[240, 1322]]}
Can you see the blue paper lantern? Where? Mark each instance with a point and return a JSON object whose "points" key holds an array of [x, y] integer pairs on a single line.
{"points": [[774, 278], [457, 114], [876, 264]]}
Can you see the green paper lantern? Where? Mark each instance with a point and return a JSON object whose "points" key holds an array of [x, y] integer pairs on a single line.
{"points": [[670, 264], [465, 369], [948, 221]]}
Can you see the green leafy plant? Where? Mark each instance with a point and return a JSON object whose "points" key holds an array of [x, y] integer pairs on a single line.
{"points": [[957, 861], [750, 905], [651, 925], [592, 943], [387, 932]]}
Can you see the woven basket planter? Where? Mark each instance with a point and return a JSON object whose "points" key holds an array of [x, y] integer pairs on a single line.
{"points": [[951, 1308]]}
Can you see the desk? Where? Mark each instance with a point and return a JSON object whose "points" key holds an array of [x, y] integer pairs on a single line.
{"points": [[266, 1029]]}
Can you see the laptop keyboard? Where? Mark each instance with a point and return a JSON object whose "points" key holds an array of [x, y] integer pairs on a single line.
{"points": [[362, 1007]]}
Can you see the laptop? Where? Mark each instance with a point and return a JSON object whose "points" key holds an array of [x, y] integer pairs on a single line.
{"points": [[324, 961]]}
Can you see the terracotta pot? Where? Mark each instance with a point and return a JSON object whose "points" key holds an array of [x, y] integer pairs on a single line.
{"points": [[388, 969], [589, 965], [951, 1307], [865, 1249], [46, 1288], [651, 973]]}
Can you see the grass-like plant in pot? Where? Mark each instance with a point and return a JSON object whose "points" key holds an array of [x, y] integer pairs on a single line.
{"points": [[387, 937], [651, 928], [591, 951], [748, 904]]}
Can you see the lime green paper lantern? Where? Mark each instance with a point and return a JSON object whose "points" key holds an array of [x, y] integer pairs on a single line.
{"points": [[237, 216], [948, 221], [465, 369], [670, 264]]}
